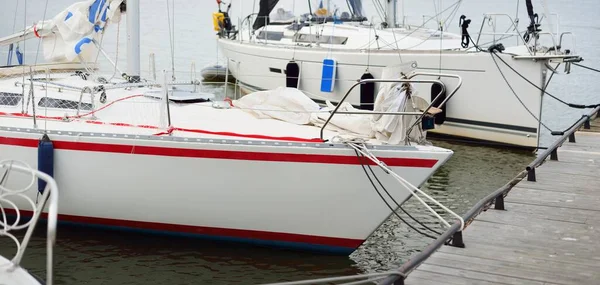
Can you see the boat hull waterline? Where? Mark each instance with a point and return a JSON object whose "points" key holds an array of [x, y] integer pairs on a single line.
{"points": [[305, 196]]}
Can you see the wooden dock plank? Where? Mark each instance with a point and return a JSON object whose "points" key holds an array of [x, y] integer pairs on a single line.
{"points": [[576, 170], [540, 272], [554, 198], [524, 238], [467, 273], [437, 278], [548, 234], [549, 182], [555, 213], [532, 223], [533, 256]]}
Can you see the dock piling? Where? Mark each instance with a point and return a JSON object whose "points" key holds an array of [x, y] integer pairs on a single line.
{"points": [[554, 155], [531, 175], [457, 240], [572, 138], [499, 203]]}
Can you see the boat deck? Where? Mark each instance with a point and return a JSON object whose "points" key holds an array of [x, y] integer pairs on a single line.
{"points": [[548, 233]]}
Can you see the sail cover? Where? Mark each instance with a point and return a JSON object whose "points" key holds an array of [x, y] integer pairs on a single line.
{"points": [[357, 8], [266, 6], [74, 28]]}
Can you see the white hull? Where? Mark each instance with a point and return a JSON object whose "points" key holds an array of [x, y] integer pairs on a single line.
{"points": [[220, 173], [484, 108], [296, 196]]}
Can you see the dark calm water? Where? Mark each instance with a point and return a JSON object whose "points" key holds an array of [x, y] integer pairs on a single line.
{"points": [[90, 256]]}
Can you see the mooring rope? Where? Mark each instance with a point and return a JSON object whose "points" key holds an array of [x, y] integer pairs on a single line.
{"points": [[361, 158], [363, 152]]}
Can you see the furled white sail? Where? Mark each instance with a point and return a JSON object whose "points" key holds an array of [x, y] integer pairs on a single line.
{"points": [[76, 27], [393, 97], [70, 33]]}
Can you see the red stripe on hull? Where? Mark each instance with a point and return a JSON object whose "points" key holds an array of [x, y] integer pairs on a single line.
{"points": [[219, 154], [209, 231]]}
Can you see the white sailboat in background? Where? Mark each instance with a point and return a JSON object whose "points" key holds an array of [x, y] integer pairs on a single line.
{"points": [[137, 154], [324, 52]]}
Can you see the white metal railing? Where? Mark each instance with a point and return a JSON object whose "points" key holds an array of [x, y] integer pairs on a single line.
{"points": [[554, 32], [49, 197], [573, 41], [492, 20], [407, 79]]}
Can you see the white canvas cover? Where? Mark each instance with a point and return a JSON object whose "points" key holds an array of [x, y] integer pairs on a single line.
{"points": [[293, 106], [286, 104]]}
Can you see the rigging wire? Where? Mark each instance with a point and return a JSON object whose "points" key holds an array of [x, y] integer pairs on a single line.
{"points": [[379, 9], [441, 28], [15, 19], [450, 19], [40, 39], [369, 49], [396, 42], [494, 55], [515, 94], [435, 9], [349, 8], [423, 25], [47, 75], [586, 67], [24, 50], [572, 105], [171, 38], [117, 53]]}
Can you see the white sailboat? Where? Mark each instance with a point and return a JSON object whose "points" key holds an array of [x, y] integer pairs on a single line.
{"points": [[135, 154], [323, 53]]}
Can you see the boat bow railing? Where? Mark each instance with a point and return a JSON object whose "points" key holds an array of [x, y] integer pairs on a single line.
{"points": [[527, 38], [492, 20], [434, 102], [46, 195], [409, 79]]}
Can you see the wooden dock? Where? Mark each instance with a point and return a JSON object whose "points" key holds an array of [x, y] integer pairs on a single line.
{"points": [[549, 232]]}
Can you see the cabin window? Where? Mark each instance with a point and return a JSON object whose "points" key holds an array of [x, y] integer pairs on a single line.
{"points": [[271, 36], [10, 99], [310, 38], [63, 104]]}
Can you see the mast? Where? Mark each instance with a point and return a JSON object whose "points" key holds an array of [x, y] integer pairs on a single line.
{"points": [[390, 15], [133, 40]]}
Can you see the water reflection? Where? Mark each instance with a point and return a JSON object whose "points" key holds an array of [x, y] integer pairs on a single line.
{"points": [[108, 257], [471, 174]]}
